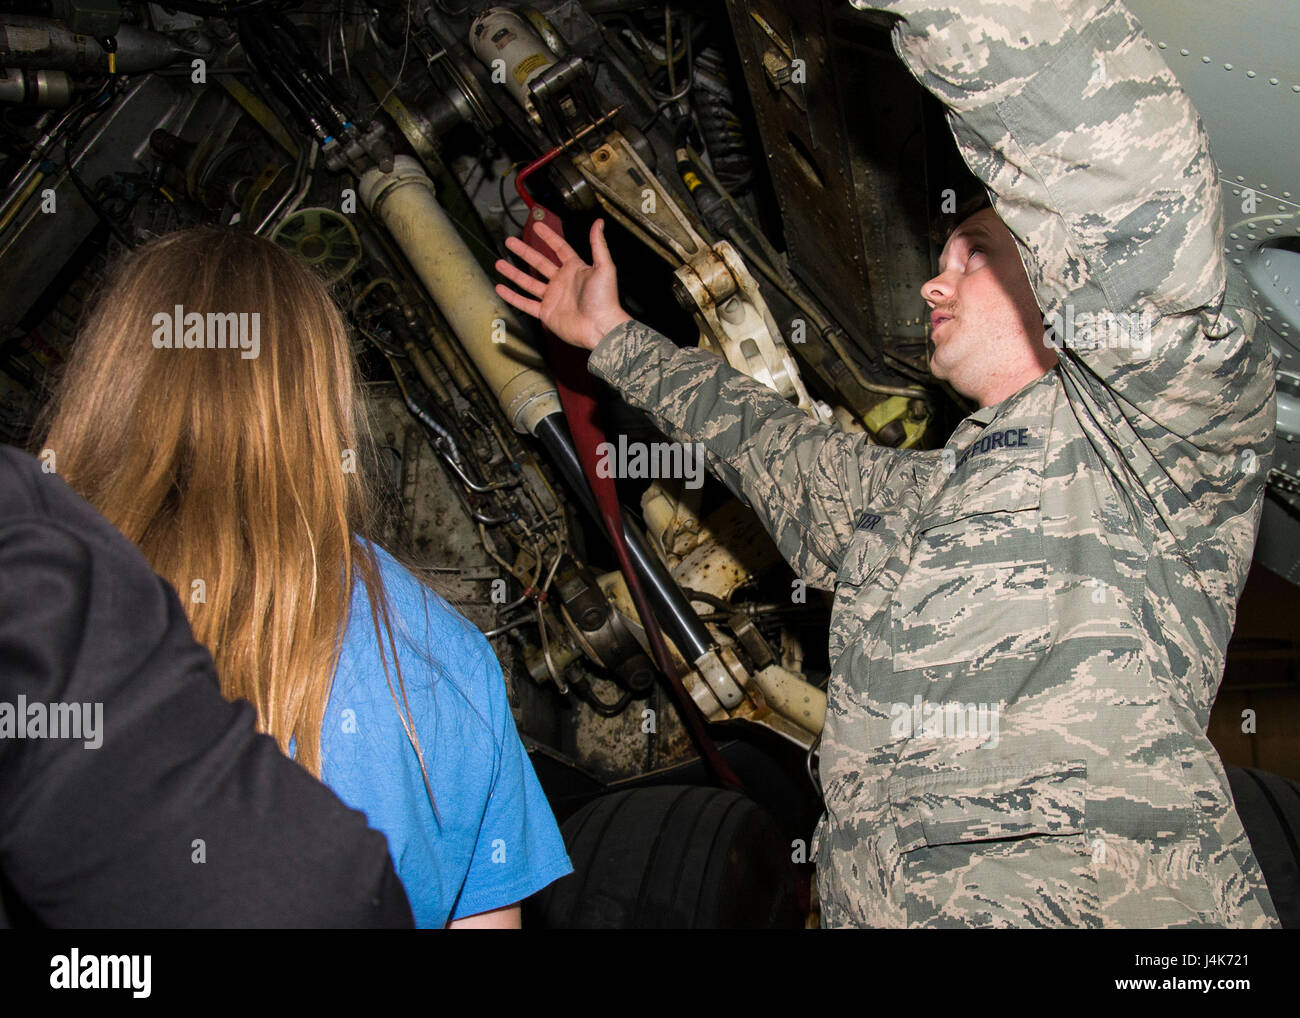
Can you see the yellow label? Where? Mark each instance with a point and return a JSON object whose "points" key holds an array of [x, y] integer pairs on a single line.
{"points": [[530, 64], [692, 181]]}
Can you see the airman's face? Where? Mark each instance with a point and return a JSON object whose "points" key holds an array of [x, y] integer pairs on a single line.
{"points": [[986, 327]]}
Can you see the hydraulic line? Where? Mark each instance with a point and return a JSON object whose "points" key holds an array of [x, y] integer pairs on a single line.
{"points": [[292, 82], [685, 628]]}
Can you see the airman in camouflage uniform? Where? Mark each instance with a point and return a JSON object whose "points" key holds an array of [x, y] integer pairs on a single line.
{"points": [[1072, 559]]}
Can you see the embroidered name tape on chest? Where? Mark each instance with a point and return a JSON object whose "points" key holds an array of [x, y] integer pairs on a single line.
{"points": [[1008, 438], [867, 520]]}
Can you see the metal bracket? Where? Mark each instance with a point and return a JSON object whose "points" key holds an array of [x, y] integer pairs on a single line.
{"points": [[712, 282]]}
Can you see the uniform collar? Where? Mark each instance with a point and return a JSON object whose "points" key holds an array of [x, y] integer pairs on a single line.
{"points": [[1022, 399]]}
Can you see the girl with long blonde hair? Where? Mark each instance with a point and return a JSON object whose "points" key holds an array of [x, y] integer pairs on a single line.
{"points": [[210, 410]]}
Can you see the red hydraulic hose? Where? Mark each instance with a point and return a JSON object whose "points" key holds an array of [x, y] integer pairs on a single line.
{"points": [[577, 397]]}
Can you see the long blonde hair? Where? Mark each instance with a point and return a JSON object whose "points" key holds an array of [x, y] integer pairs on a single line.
{"points": [[239, 478]]}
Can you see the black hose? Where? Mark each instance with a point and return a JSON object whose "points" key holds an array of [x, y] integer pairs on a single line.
{"points": [[713, 599], [265, 52], [70, 141], [725, 140], [589, 697], [283, 38], [679, 619], [264, 63]]}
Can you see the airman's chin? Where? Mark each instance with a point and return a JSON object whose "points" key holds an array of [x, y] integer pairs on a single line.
{"points": [[955, 377]]}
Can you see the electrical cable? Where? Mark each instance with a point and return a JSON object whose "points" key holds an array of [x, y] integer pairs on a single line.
{"points": [[101, 98], [589, 696], [670, 62], [406, 42], [501, 192]]}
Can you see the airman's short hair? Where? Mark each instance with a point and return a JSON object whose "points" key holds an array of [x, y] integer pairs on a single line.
{"points": [[968, 204]]}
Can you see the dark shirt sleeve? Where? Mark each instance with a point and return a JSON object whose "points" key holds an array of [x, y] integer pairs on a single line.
{"points": [[174, 811]]}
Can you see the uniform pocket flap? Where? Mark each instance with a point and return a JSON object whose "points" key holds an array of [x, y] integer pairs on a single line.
{"points": [[1008, 486], [1006, 800]]}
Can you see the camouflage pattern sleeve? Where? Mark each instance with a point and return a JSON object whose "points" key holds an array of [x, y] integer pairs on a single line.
{"points": [[808, 482], [1097, 162]]}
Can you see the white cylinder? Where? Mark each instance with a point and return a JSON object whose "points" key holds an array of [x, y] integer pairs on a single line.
{"points": [[511, 50], [792, 697], [485, 325]]}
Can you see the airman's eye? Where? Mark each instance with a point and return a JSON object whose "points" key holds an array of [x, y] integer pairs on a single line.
{"points": [[975, 250]]}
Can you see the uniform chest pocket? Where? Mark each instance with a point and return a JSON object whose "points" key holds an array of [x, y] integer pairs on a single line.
{"points": [[976, 590]]}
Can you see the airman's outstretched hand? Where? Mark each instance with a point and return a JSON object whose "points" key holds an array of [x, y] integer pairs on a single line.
{"points": [[576, 301]]}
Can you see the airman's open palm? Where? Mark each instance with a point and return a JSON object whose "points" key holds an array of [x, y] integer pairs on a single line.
{"points": [[576, 301]]}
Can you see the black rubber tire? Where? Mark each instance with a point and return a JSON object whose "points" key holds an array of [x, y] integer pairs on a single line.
{"points": [[672, 857], [1269, 807]]}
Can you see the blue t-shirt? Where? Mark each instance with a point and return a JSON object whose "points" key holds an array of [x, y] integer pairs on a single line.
{"points": [[494, 840]]}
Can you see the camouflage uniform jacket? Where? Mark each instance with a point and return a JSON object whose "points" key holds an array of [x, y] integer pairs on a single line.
{"points": [[1072, 558]]}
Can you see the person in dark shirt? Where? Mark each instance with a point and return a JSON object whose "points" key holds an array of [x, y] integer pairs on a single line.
{"points": [[132, 794]]}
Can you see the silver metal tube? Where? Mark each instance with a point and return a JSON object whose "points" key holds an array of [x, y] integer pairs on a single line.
{"points": [[42, 43], [42, 88]]}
